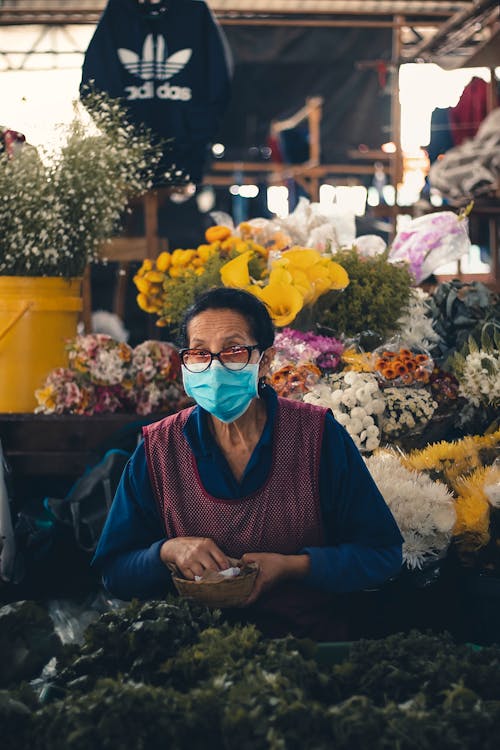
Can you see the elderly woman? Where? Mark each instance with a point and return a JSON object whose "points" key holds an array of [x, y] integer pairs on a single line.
{"points": [[246, 474]]}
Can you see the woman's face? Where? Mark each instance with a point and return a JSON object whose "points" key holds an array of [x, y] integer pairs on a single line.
{"points": [[216, 330]]}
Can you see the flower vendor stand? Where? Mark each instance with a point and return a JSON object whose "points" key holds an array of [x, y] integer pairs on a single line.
{"points": [[37, 317]]}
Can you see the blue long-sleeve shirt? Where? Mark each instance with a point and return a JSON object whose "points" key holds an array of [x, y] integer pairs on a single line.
{"points": [[363, 544]]}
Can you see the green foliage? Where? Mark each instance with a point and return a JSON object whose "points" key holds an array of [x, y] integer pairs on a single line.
{"points": [[377, 295], [133, 642], [461, 309], [181, 292], [187, 683]]}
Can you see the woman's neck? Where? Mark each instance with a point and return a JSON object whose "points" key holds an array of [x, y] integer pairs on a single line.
{"points": [[246, 430], [237, 440]]}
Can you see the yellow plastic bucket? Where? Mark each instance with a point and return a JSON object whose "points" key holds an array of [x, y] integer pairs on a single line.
{"points": [[37, 317]]}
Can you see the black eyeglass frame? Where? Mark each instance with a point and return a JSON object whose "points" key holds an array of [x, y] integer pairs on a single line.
{"points": [[216, 355]]}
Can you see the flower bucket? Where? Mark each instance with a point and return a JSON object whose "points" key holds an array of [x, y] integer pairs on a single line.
{"points": [[37, 317]]}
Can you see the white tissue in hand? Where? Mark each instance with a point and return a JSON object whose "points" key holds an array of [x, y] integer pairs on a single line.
{"points": [[228, 573]]}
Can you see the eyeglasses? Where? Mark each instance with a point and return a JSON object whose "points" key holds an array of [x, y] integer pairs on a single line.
{"points": [[232, 358]]}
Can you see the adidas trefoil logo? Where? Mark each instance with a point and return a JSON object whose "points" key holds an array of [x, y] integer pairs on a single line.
{"points": [[155, 65]]}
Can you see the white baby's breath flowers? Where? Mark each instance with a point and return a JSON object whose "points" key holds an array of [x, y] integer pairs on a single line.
{"points": [[57, 209], [356, 402], [424, 510]]}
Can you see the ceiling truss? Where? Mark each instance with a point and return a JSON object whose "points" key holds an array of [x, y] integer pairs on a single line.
{"points": [[430, 30]]}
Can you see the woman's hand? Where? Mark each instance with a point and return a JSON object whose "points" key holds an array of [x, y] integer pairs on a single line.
{"points": [[192, 555], [274, 568]]}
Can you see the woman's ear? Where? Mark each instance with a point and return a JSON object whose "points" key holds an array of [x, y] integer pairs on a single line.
{"points": [[265, 362]]}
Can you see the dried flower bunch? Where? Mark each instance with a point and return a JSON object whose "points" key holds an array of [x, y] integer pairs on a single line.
{"points": [[105, 375], [298, 347], [57, 209]]}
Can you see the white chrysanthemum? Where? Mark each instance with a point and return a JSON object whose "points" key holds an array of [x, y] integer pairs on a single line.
{"points": [[353, 398], [423, 509]]}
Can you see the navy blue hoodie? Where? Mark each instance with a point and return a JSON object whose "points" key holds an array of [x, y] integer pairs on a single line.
{"points": [[171, 67]]}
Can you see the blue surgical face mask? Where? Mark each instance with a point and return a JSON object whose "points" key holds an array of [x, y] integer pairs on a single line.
{"points": [[224, 393]]}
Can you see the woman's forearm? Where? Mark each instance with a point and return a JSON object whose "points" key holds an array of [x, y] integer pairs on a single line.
{"points": [[137, 574], [352, 567]]}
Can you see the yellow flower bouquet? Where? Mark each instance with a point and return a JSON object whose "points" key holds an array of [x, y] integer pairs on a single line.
{"points": [[287, 281]]}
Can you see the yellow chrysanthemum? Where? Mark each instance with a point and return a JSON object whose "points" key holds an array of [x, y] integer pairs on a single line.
{"points": [[141, 284], [283, 301], [473, 511], [182, 257], [145, 304], [147, 265], [154, 277], [163, 261], [235, 273], [206, 251]]}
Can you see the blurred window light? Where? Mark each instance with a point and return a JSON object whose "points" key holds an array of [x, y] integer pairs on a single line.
{"points": [[277, 200], [373, 198], [218, 150], [248, 191], [327, 194], [351, 199], [435, 199], [389, 194], [206, 199], [388, 148], [422, 88]]}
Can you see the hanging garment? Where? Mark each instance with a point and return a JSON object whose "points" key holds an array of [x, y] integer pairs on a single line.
{"points": [[468, 114], [170, 64]]}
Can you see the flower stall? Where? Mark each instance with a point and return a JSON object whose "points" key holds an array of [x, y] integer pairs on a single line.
{"points": [[408, 374], [414, 378]]}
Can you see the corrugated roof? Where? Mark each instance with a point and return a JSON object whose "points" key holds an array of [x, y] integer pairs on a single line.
{"points": [[436, 30]]}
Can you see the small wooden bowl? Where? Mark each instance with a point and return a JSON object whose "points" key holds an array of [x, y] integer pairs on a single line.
{"points": [[224, 592]]}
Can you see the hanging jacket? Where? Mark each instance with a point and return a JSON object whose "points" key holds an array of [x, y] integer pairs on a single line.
{"points": [[171, 66]]}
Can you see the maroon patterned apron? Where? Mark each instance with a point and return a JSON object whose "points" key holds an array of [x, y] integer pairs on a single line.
{"points": [[283, 516]]}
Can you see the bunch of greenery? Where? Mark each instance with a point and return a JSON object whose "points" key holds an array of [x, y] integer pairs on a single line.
{"points": [[201, 685], [377, 295], [460, 309], [57, 209], [133, 642]]}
